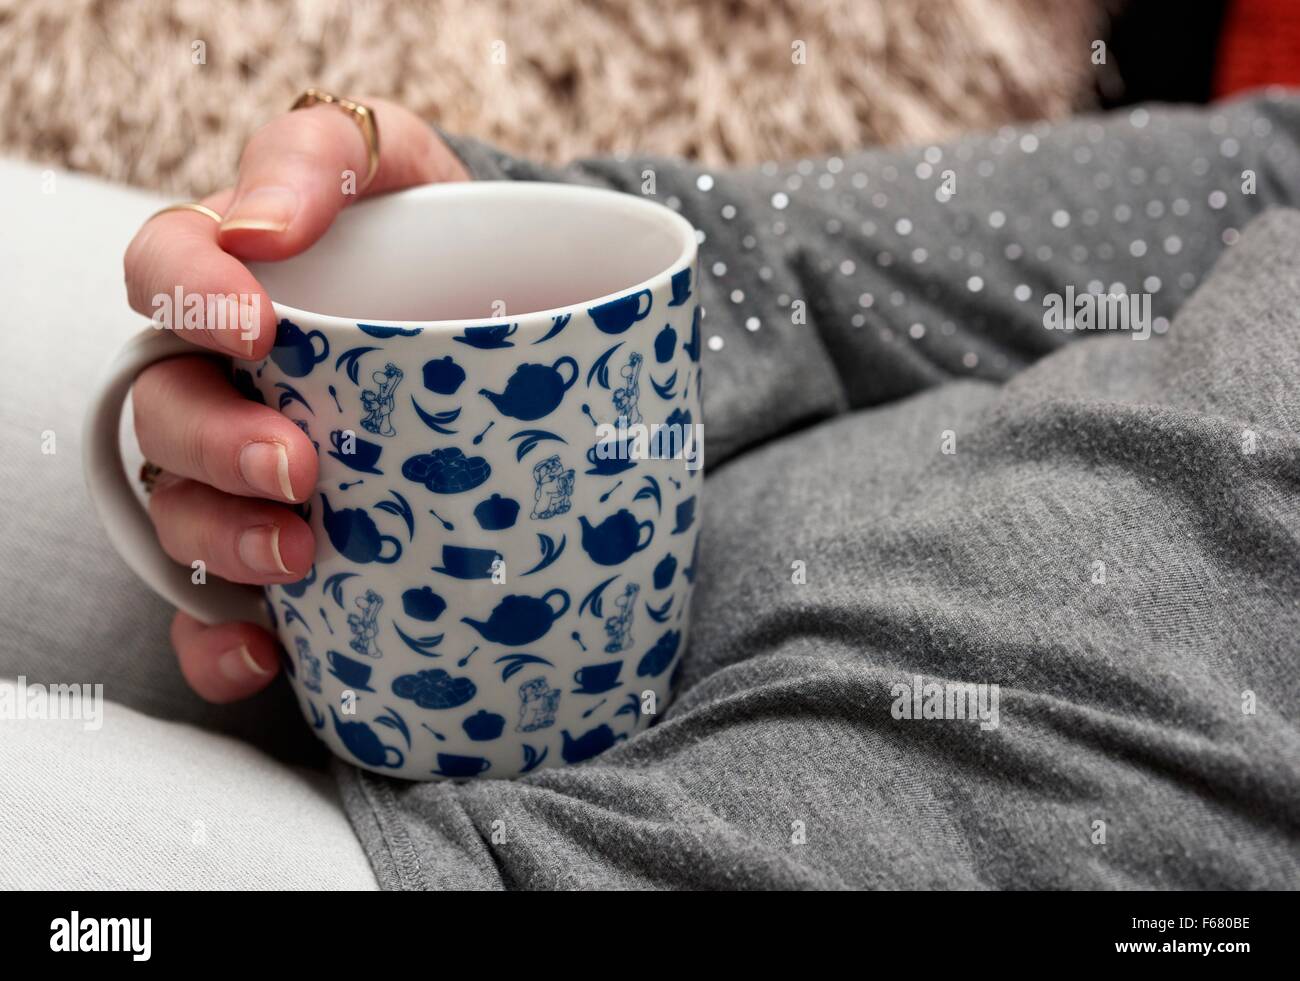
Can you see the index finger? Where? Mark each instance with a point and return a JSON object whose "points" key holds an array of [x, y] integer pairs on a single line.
{"points": [[179, 277]]}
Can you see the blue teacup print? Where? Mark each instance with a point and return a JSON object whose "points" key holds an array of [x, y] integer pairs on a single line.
{"points": [[489, 336], [617, 538], [458, 767], [356, 536], [519, 620], [484, 726], [353, 674], [295, 351], [617, 316], [363, 454], [681, 287], [494, 586], [534, 390], [463, 562], [596, 679], [365, 744], [610, 457]]}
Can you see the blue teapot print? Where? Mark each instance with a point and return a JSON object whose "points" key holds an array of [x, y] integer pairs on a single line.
{"points": [[519, 620], [451, 765], [295, 352], [596, 679], [365, 745], [617, 538], [590, 743], [658, 658], [354, 534], [534, 390], [616, 316]]}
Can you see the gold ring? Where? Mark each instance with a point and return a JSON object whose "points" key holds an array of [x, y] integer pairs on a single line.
{"points": [[149, 474], [202, 209], [365, 119]]}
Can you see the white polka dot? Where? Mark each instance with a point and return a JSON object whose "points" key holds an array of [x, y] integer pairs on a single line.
{"points": [[847, 267], [970, 359], [1173, 245], [924, 170], [933, 154], [857, 320], [715, 343], [728, 211], [1217, 199], [903, 226], [997, 219], [749, 241], [719, 269], [737, 296], [1060, 218], [780, 200], [1023, 293], [1160, 324], [1139, 118], [1151, 284], [1013, 251], [917, 331], [752, 324], [1029, 143], [1137, 249], [897, 299], [975, 284], [1181, 207], [700, 236], [919, 255], [1229, 147], [704, 182], [1231, 236], [834, 165], [859, 180], [866, 300]]}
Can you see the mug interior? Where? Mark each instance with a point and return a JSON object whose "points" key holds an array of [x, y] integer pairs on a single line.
{"points": [[479, 251]]}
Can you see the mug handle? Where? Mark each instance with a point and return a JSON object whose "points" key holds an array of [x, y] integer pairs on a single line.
{"points": [[401, 760], [649, 302], [113, 498]]}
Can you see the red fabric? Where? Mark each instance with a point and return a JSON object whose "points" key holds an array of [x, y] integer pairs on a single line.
{"points": [[1259, 45]]}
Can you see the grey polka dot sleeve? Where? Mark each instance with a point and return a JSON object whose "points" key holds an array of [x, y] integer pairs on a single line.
{"points": [[850, 281]]}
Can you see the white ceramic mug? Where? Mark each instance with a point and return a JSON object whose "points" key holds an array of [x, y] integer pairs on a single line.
{"points": [[501, 580]]}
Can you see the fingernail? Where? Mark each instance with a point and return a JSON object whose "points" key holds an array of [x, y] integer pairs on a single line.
{"points": [[238, 665], [265, 465], [264, 209], [259, 549]]}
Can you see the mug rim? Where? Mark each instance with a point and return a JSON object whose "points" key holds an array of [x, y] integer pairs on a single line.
{"points": [[618, 200]]}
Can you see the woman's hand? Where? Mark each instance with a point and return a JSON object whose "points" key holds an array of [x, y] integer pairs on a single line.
{"points": [[232, 467]]}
